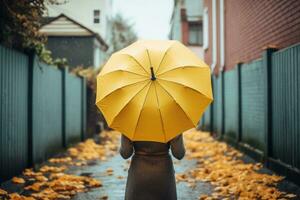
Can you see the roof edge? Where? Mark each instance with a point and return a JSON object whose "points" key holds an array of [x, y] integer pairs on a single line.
{"points": [[97, 35]]}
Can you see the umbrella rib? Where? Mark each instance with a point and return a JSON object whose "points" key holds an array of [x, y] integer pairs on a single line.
{"points": [[149, 57], [128, 102], [141, 110], [176, 103], [164, 56], [161, 121], [121, 88], [185, 86], [122, 70], [136, 62], [180, 67]]}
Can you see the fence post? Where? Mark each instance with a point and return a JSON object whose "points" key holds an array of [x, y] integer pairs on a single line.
{"points": [[31, 63], [267, 64], [83, 108], [64, 82], [223, 103], [212, 107], [239, 136], [210, 117]]}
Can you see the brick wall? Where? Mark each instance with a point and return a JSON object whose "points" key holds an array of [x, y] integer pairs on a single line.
{"points": [[253, 25], [250, 26], [184, 27]]}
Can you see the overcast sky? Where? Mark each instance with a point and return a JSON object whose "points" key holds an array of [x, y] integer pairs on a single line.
{"points": [[150, 17]]}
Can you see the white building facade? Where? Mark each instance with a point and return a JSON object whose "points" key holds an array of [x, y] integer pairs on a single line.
{"points": [[94, 14]]}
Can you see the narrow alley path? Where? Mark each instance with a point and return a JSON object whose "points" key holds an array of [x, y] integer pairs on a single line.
{"points": [[210, 170], [113, 172]]}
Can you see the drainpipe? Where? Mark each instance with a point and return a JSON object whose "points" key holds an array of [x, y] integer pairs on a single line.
{"points": [[222, 36], [214, 35]]}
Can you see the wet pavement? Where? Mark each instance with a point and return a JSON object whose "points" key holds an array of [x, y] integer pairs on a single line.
{"points": [[114, 184], [103, 163]]}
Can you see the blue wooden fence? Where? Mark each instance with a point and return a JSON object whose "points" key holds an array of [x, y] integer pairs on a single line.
{"points": [[42, 110], [46, 111], [253, 104], [260, 105], [73, 116], [285, 139], [13, 112], [217, 108], [231, 117]]}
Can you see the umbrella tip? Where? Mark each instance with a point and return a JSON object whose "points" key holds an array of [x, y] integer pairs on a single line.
{"points": [[153, 78]]}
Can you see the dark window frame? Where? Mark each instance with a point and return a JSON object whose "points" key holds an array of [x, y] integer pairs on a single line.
{"points": [[196, 27], [96, 16]]}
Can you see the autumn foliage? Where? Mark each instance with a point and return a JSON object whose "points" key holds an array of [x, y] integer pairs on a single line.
{"points": [[217, 164], [52, 180]]}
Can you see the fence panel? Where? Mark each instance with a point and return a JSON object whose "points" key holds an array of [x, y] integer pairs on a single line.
{"points": [[13, 112], [217, 105], [253, 104], [46, 111], [231, 108], [207, 119], [73, 106], [285, 106], [84, 109]]}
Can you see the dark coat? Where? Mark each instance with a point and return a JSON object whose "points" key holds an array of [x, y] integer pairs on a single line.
{"points": [[151, 174]]}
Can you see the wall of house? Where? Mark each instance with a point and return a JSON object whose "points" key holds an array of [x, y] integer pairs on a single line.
{"points": [[83, 12], [253, 25], [63, 26], [198, 50], [77, 50], [194, 8], [175, 33], [99, 54], [190, 10], [250, 26]]}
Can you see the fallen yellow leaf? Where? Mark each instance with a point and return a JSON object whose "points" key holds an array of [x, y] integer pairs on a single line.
{"points": [[290, 195], [3, 192], [220, 164], [18, 180]]}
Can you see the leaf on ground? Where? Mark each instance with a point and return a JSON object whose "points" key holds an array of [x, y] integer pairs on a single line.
{"points": [[52, 169], [61, 160], [34, 187], [221, 165], [109, 171], [290, 195], [41, 178], [3, 192], [31, 173], [15, 196], [104, 197], [18, 180]]}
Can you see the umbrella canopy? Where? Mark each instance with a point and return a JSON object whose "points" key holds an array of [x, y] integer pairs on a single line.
{"points": [[153, 90]]}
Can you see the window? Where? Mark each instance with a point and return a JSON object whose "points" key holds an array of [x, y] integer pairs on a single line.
{"points": [[96, 16], [195, 34]]}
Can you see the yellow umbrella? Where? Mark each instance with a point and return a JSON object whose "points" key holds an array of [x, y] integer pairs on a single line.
{"points": [[153, 90]]}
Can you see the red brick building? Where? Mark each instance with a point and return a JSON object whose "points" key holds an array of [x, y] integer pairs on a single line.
{"points": [[186, 24], [239, 30]]}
